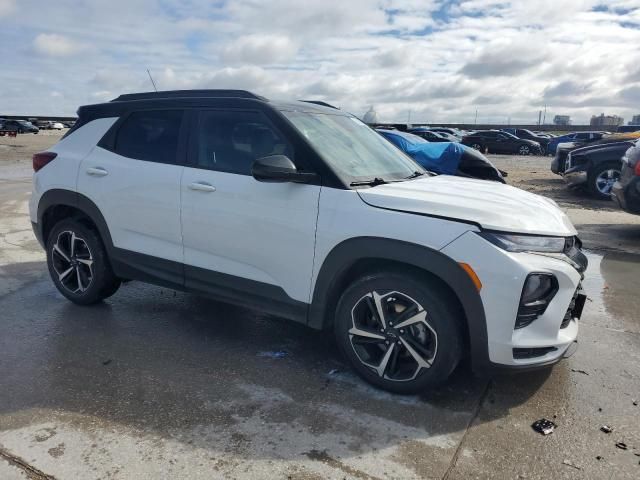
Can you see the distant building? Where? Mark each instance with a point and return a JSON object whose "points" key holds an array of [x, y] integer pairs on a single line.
{"points": [[371, 116], [603, 120], [562, 120], [635, 120]]}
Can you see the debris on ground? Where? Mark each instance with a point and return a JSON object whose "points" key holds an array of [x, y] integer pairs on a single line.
{"points": [[606, 429], [622, 445], [598, 457], [107, 362], [635, 403], [543, 426], [276, 354], [569, 464], [579, 371], [334, 371]]}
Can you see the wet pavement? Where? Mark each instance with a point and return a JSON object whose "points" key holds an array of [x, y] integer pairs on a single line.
{"points": [[161, 384]]}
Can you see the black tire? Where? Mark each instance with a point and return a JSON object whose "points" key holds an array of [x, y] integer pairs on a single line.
{"points": [[477, 146], [443, 324], [93, 282], [595, 183]]}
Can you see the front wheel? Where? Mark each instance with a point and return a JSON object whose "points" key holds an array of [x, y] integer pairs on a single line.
{"points": [[477, 146], [78, 263], [524, 150], [400, 332], [601, 179]]}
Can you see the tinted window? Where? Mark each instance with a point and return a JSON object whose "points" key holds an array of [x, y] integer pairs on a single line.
{"points": [[151, 136], [488, 134], [231, 141], [582, 136]]}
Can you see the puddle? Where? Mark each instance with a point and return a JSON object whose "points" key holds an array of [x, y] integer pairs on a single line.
{"points": [[611, 283]]}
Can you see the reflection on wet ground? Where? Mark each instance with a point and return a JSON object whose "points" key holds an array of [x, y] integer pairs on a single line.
{"points": [[185, 381]]}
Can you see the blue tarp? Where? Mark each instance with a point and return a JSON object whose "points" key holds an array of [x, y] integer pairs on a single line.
{"points": [[441, 157]]}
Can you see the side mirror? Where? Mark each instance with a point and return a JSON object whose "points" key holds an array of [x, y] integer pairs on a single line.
{"points": [[279, 168]]}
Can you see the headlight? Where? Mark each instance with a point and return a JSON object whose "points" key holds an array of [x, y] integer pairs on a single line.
{"points": [[525, 243]]}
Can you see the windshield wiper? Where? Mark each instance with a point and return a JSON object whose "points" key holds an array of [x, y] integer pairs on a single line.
{"points": [[415, 174], [371, 182]]}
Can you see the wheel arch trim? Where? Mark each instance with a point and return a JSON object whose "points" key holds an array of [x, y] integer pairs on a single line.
{"points": [[347, 253], [61, 197]]}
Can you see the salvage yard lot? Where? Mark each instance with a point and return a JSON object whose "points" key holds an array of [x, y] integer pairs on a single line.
{"points": [[155, 383]]}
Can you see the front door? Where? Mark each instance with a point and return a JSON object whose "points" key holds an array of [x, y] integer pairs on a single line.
{"points": [[245, 239]]}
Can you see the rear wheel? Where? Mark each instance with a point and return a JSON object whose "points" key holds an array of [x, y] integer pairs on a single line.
{"points": [[601, 179], [78, 263], [400, 332], [476, 146]]}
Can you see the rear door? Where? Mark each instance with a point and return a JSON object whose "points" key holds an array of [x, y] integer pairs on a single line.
{"points": [[134, 179], [243, 238]]}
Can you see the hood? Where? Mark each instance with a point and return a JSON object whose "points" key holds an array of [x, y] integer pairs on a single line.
{"points": [[601, 146], [530, 142], [492, 205]]}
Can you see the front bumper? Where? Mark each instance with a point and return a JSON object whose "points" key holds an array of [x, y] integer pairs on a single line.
{"points": [[550, 336], [575, 177]]}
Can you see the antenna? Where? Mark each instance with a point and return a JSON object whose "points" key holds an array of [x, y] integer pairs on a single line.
{"points": [[152, 82]]}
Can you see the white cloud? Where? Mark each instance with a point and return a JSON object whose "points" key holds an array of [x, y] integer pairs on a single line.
{"points": [[259, 50], [437, 58], [55, 45], [7, 7]]}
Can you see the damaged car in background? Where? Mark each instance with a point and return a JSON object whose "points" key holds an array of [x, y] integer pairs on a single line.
{"points": [[444, 158], [626, 191], [595, 167]]}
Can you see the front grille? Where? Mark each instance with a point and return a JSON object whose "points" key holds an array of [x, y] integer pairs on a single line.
{"points": [[524, 353]]}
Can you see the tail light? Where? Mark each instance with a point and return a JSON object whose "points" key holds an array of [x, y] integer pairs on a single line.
{"points": [[41, 159], [636, 170]]}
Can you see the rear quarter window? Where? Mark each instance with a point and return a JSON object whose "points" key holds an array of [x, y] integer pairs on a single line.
{"points": [[150, 135]]}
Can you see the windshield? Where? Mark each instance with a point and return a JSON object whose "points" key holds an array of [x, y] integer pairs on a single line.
{"points": [[352, 149]]}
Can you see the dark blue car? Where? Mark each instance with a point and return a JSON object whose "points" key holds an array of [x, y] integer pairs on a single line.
{"points": [[445, 158], [582, 138]]}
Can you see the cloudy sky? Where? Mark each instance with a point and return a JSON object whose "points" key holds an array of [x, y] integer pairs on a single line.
{"points": [[436, 60]]}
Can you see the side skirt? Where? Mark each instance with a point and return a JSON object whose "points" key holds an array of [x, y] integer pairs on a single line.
{"points": [[227, 288]]}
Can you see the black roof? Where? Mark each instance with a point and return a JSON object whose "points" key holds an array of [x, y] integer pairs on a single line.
{"points": [[210, 93]]}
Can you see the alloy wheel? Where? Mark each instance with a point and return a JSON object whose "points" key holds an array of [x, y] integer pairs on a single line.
{"points": [[523, 150], [72, 261], [606, 179], [391, 335], [476, 146]]}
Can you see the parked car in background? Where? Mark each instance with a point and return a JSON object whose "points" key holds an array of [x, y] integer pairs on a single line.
{"points": [[448, 158], [578, 138], [628, 128], [529, 135], [595, 167], [433, 136], [451, 131], [20, 126], [626, 191], [57, 126], [43, 124], [495, 141]]}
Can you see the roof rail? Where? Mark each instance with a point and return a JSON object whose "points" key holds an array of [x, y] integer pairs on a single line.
{"points": [[320, 102], [127, 97]]}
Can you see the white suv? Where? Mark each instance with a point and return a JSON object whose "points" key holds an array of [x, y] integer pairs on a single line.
{"points": [[303, 211]]}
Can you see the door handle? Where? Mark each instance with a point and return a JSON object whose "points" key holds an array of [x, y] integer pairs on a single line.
{"points": [[202, 187], [97, 171]]}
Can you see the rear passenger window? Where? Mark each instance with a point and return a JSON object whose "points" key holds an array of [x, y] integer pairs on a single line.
{"points": [[229, 141], [151, 136]]}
